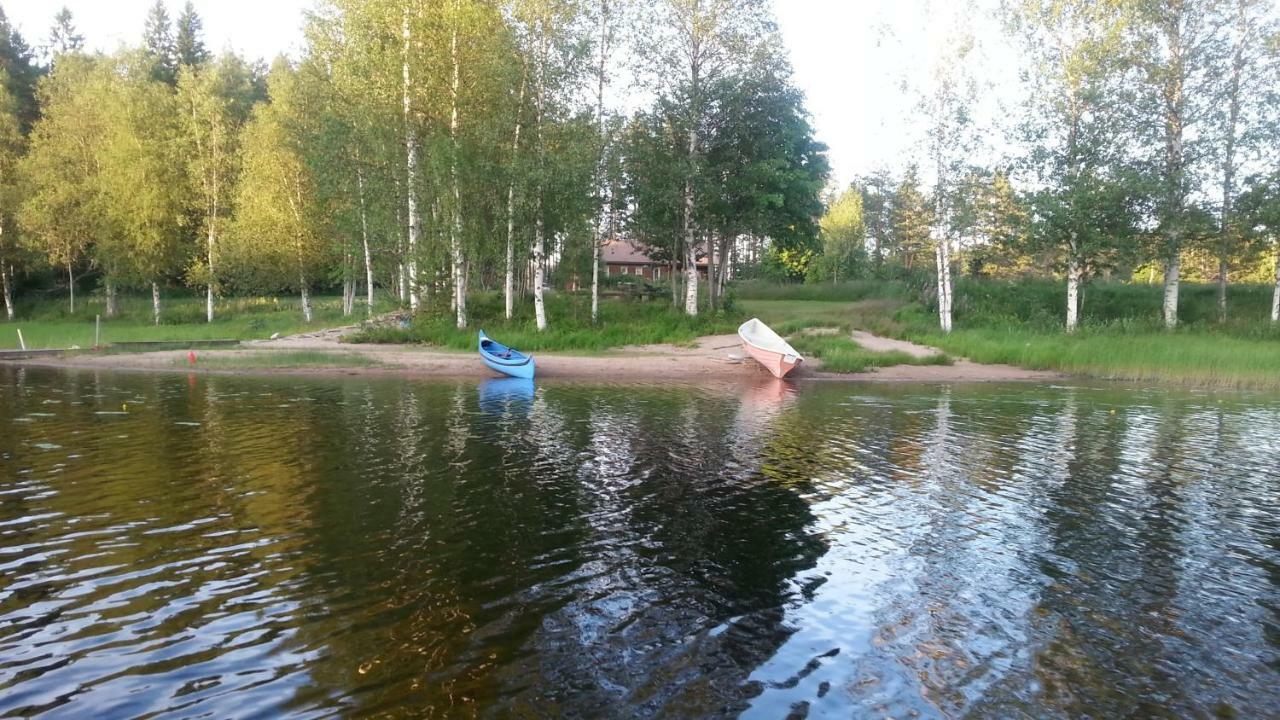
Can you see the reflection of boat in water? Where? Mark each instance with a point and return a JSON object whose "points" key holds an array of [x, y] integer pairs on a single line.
{"points": [[760, 404], [499, 395], [768, 348]]}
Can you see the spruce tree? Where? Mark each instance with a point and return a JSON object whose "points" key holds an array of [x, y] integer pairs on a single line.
{"points": [[189, 49], [157, 43], [63, 37], [19, 64]]}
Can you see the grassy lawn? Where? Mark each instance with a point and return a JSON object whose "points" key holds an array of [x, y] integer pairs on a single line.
{"points": [[570, 329], [46, 324], [1017, 324]]}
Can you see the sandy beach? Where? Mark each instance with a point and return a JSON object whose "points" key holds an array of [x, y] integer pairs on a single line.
{"points": [[711, 357]]}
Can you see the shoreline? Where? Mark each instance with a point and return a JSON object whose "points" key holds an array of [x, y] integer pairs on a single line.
{"points": [[715, 357]]}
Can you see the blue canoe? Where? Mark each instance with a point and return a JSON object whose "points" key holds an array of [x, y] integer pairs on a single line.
{"points": [[505, 360]]}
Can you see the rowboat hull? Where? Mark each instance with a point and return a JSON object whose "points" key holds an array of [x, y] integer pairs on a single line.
{"points": [[507, 361], [768, 348]]}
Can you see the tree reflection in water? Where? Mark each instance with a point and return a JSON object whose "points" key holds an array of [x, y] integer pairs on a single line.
{"points": [[442, 549]]}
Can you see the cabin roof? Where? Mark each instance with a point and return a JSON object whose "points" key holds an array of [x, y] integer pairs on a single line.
{"points": [[620, 251]]}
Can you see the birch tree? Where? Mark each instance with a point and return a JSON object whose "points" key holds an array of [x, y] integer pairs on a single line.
{"points": [[213, 104], [61, 212], [140, 179], [277, 224], [1073, 124], [1241, 119], [411, 159], [1178, 54], [947, 106], [549, 29], [606, 222], [686, 47]]}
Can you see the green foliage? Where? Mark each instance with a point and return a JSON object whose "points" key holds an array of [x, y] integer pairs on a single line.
{"points": [[277, 240], [843, 236]]}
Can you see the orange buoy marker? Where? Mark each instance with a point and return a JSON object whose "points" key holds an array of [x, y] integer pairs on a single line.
{"points": [[191, 357]]}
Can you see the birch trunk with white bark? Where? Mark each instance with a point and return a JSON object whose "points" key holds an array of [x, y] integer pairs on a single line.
{"points": [[155, 302], [71, 286], [208, 298], [690, 244], [1172, 268], [1073, 286], [455, 229], [539, 264], [306, 298], [364, 238], [411, 174], [943, 257], [112, 297], [596, 239], [509, 279], [1275, 296], [6, 280]]}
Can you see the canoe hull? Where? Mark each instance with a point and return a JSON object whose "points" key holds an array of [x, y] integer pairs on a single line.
{"points": [[509, 362], [524, 371], [768, 348]]}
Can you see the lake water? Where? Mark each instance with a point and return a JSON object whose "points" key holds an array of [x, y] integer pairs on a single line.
{"points": [[213, 546]]}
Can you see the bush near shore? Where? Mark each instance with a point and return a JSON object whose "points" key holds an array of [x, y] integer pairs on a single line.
{"points": [[620, 323]]}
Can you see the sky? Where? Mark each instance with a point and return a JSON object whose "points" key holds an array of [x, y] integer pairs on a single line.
{"points": [[856, 60]]}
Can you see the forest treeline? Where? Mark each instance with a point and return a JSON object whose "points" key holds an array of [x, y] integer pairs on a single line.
{"points": [[1147, 148], [424, 147], [429, 148]]}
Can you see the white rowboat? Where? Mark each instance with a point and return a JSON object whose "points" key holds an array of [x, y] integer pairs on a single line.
{"points": [[768, 348]]}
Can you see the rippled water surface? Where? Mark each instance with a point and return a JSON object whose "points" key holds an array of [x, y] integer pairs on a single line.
{"points": [[219, 546]]}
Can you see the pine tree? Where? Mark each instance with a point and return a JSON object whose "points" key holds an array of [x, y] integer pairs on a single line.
{"points": [[189, 49]]}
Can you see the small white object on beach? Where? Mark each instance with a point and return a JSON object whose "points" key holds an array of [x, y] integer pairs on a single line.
{"points": [[275, 336]]}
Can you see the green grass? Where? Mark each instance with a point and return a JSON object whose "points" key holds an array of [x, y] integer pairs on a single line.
{"points": [[840, 354], [283, 359], [1121, 338], [822, 292], [46, 324], [570, 329], [1187, 358]]}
